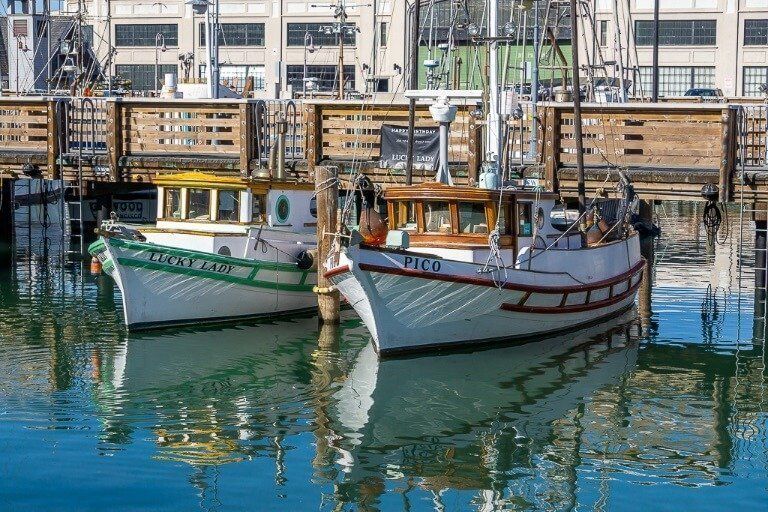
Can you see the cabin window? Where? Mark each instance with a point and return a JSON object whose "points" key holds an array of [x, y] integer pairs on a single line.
{"points": [[172, 203], [472, 218], [405, 216], [229, 206], [525, 219], [199, 201], [437, 217], [259, 208], [503, 222]]}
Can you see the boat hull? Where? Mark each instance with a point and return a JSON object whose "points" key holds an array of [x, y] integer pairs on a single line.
{"points": [[166, 286], [411, 305]]}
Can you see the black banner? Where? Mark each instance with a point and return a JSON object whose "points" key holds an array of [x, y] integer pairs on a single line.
{"points": [[394, 147]]}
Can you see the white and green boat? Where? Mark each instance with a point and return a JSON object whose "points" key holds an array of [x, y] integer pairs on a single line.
{"points": [[222, 249]]}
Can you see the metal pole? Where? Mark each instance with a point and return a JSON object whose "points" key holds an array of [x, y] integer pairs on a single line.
{"points": [[655, 86], [109, 47], [617, 41], [304, 79], [534, 140], [157, 59], [493, 133], [341, 59], [577, 107], [215, 56], [414, 82]]}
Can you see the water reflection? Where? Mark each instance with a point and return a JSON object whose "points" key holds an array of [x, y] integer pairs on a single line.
{"points": [[666, 408]]}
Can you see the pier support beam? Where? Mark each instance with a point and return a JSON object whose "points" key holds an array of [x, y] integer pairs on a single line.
{"points": [[6, 211], [644, 296], [327, 190], [761, 266]]}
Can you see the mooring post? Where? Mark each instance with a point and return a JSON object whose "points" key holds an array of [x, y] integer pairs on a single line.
{"points": [[6, 211], [327, 190], [646, 284], [761, 265]]}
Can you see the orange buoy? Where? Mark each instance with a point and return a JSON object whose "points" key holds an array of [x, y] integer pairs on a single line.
{"points": [[95, 266], [372, 227]]}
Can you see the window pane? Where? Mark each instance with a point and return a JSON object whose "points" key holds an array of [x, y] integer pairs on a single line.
{"points": [[199, 204], [172, 203], [237, 34], [677, 32], [325, 76], [146, 34], [437, 217], [755, 79], [472, 218], [675, 80], [142, 76], [525, 220], [503, 227], [259, 208], [229, 205], [405, 216], [756, 32], [298, 31]]}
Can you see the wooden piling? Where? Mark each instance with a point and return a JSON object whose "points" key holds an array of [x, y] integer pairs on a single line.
{"points": [[644, 296], [327, 190], [6, 211]]}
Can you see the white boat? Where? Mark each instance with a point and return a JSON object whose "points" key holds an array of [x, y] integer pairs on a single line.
{"points": [[222, 249], [442, 284]]}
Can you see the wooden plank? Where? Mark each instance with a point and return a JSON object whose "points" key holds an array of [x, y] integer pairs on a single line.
{"points": [[133, 148], [115, 137], [52, 156], [245, 139], [192, 122], [671, 161]]}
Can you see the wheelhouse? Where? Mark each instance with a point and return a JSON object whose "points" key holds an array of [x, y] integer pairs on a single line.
{"points": [[197, 199], [436, 214]]}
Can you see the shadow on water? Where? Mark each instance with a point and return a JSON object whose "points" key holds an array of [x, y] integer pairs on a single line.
{"points": [[665, 404]]}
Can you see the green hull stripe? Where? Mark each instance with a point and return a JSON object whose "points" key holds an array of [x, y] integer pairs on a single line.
{"points": [[108, 266], [97, 247], [143, 247], [151, 265]]}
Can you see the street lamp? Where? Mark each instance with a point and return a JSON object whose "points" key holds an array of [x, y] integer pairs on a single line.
{"points": [[159, 46], [309, 47]]}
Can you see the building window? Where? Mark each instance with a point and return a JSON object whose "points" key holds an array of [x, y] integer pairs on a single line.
{"points": [[381, 85], [144, 35], [296, 32], [603, 32], [755, 32], [325, 77], [142, 76], [235, 76], [755, 79], [383, 33], [237, 34], [677, 33], [675, 80]]}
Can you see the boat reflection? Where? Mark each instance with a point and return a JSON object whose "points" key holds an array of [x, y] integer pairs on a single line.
{"points": [[470, 421]]}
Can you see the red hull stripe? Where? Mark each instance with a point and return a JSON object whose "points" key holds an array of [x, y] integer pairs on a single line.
{"points": [[507, 286], [573, 308], [336, 271]]}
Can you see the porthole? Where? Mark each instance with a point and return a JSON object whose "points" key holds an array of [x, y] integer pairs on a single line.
{"points": [[282, 209], [224, 251]]}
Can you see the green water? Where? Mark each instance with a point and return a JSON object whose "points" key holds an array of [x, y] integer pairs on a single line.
{"points": [[665, 411]]}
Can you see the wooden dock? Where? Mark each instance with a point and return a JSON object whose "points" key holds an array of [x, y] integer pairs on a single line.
{"points": [[670, 150]]}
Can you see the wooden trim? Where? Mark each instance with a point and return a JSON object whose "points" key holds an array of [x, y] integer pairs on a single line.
{"points": [[551, 290], [53, 126], [246, 139], [573, 308]]}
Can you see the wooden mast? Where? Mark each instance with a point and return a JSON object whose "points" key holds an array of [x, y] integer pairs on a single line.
{"points": [[577, 106]]}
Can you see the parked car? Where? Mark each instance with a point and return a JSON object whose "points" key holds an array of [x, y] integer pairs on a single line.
{"points": [[704, 92]]}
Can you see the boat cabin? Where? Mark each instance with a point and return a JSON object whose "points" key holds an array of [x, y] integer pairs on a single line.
{"points": [[201, 202], [439, 216]]}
